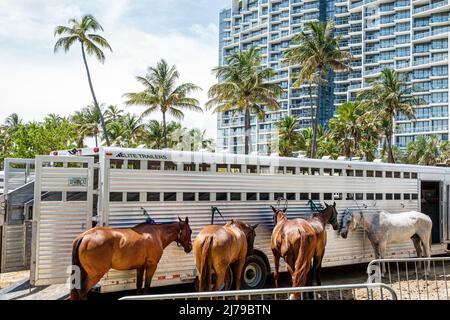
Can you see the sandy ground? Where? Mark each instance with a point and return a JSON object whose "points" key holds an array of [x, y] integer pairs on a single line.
{"points": [[7, 279]]}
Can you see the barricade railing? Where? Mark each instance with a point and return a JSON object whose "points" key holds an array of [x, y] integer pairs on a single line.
{"points": [[364, 291], [408, 278]]}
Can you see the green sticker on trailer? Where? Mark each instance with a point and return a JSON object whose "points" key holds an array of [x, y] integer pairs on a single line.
{"points": [[77, 182]]}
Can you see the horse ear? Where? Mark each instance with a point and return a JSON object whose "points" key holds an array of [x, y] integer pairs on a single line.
{"points": [[326, 204], [334, 204], [254, 226], [186, 220], [274, 210], [179, 219], [284, 210]]}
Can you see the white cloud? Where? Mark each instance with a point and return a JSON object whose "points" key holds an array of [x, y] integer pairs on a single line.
{"points": [[35, 82]]}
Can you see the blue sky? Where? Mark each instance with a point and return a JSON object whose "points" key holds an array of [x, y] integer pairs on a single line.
{"points": [[35, 82]]}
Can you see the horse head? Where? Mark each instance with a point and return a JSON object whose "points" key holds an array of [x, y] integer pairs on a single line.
{"points": [[184, 237], [333, 217], [349, 222], [249, 232], [278, 213]]}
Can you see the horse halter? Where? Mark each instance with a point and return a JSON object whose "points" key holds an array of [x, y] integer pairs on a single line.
{"points": [[188, 235]]}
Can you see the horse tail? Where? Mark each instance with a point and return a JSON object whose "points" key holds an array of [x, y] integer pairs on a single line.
{"points": [[303, 263], [75, 292], [205, 266]]}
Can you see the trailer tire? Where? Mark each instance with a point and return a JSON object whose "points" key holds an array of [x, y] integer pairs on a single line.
{"points": [[254, 274]]}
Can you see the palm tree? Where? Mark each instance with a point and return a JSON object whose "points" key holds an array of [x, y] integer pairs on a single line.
{"points": [[112, 113], [346, 127], [388, 96], [244, 88], [317, 53], [162, 94], [12, 122], [289, 136], [134, 129], [427, 150], [87, 122], [91, 43], [154, 133]]}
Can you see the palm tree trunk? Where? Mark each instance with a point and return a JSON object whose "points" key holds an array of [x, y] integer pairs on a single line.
{"points": [[95, 136], [247, 129], [93, 96], [389, 145], [164, 129], [316, 122], [311, 103]]}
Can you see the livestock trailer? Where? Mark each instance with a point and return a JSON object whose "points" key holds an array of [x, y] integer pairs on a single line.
{"points": [[77, 189]]}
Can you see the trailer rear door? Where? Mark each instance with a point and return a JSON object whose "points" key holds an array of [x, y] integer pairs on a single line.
{"points": [[62, 210]]}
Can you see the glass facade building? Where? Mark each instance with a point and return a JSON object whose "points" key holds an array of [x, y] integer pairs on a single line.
{"points": [[410, 36]]}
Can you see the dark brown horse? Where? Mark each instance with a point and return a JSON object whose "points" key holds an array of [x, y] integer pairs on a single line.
{"points": [[298, 242], [217, 247], [141, 247]]}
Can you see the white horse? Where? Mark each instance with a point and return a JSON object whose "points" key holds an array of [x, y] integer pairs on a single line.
{"points": [[383, 228]]}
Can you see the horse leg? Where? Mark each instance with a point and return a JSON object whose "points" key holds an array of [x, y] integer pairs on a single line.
{"points": [[89, 283], [425, 239], [276, 273], [238, 268], [382, 253], [149, 271], [220, 277], [139, 279], [318, 267]]}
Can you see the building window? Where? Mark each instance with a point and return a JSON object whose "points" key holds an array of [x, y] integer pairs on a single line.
{"points": [[51, 196], [170, 166], [252, 169], [397, 196], [369, 173], [290, 196], [379, 174], [414, 196], [279, 170], [170, 196], [338, 172], [327, 196], [188, 196], [388, 174], [76, 196], [397, 174], [379, 196], [370, 196], [327, 172], [388, 196], [133, 196], [154, 165], [264, 196], [359, 196], [315, 171], [359, 173], [116, 164], [315, 196], [350, 196], [221, 196], [414, 175], [406, 175], [350, 173], [153, 196], [406, 196], [204, 196], [235, 196]]}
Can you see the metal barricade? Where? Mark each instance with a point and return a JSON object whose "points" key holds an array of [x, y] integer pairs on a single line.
{"points": [[408, 278], [364, 291]]}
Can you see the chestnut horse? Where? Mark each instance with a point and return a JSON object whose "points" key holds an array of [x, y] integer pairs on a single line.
{"points": [[141, 247], [298, 242], [217, 247]]}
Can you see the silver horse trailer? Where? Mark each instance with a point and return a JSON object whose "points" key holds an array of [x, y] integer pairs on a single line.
{"points": [[110, 186], [15, 214]]}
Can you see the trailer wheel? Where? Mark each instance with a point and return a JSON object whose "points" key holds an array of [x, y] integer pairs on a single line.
{"points": [[255, 273], [224, 287]]}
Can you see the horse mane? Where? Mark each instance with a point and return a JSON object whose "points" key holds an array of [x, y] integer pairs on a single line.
{"points": [[145, 224]]}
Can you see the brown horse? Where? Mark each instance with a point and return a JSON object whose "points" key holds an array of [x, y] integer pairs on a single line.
{"points": [[141, 247], [298, 242], [217, 247]]}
